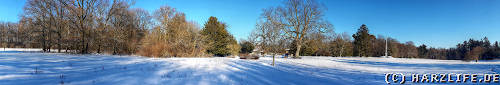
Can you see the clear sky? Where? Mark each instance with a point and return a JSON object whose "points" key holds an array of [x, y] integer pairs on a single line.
{"points": [[436, 23]]}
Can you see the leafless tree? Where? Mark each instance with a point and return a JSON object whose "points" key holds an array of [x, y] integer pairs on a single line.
{"points": [[341, 45], [298, 18], [267, 37]]}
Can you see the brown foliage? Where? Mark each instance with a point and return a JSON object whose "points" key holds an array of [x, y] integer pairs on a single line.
{"points": [[475, 54], [174, 37], [153, 50]]}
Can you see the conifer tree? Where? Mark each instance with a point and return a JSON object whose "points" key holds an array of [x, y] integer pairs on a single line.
{"points": [[422, 51], [218, 38], [362, 42]]}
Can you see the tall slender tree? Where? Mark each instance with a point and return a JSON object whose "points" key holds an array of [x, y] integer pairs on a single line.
{"points": [[362, 42]]}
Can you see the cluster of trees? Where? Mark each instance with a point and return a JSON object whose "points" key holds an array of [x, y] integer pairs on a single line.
{"points": [[113, 27], [474, 50], [81, 26], [13, 36], [173, 36], [468, 50], [364, 44], [298, 25]]}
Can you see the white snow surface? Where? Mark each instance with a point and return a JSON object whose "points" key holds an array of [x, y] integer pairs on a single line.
{"points": [[26, 67], [20, 49]]}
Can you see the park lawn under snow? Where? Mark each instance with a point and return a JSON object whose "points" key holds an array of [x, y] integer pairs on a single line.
{"points": [[29, 67]]}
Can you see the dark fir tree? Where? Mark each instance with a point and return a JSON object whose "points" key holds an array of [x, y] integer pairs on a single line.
{"points": [[362, 42], [422, 51], [496, 50], [217, 37]]}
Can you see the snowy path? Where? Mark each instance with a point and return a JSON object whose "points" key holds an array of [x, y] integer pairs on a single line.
{"points": [[33, 68]]}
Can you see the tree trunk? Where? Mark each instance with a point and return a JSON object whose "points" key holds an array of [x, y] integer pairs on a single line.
{"points": [[297, 52], [273, 58], [86, 48], [99, 48], [341, 50], [83, 43], [43, 41], [59, 45], [59, 48]]}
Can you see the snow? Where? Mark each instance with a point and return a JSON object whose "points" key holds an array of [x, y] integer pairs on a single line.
{"points": [[387, 65], [28, 67], [5, 50]]}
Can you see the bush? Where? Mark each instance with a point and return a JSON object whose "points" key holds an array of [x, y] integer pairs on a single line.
{"points": [[248, 56], [154, 50], [246, 47]]}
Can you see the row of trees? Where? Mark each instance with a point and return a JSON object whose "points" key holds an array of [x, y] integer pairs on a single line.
{"points": [[13, 36], [473, 50], [81, 26], [101, 26], [299, 25], [365, 44]]}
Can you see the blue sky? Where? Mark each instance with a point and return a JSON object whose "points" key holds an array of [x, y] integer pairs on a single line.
{"points": [[436, 23]]}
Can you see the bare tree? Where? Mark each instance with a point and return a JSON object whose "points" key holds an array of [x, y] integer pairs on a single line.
{"points": [[41, 16], [268, 37], [341, 45], [84, 14], [297, 18], [3, 36]]}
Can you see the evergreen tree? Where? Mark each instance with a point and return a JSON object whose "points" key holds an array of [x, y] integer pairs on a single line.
{"points": [[246, 47], [496, 45], [362, 42], [422, 51], [496, 50], [217, 37]]}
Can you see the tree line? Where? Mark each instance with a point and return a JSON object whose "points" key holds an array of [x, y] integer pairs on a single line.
{"points": [[113, 27], [296, 26], [364, 44], [299, 25]]}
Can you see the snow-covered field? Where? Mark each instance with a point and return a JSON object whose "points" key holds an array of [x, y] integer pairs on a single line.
{"points": [[21, 67]]}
